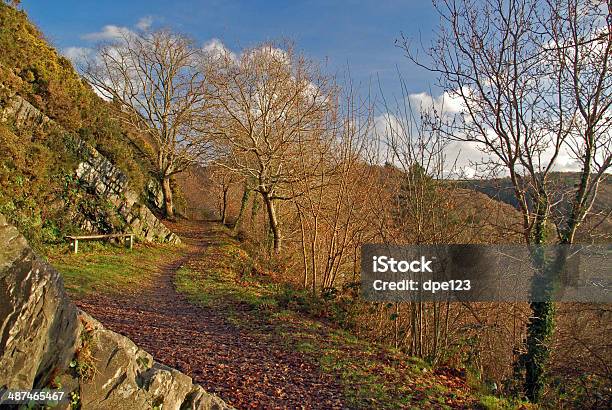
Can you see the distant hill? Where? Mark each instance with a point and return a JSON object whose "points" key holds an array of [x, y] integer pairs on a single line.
{"points": [[599, 220]]}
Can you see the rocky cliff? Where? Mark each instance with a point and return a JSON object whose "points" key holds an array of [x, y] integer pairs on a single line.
{"points": [[46, 342], [99, 176]]}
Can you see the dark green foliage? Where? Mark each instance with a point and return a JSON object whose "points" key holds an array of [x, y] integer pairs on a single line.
{"points": [[32, 183], [542, 323], [588, 391], [39, 191], [255, 207], [539, 332]]}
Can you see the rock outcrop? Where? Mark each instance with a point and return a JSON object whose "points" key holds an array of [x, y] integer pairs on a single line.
{"points": [[46, 341], [38, 326], [98, 175], [23, 113]]}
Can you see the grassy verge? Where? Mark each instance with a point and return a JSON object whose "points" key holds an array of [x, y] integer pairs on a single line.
{"points": [[106, 268]]}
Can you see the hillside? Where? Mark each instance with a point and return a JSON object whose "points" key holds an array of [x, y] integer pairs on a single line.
{"points": [[51, 123], [598, 224]]}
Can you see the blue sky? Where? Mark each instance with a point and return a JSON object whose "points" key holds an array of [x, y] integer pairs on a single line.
{"points": [[357, 33]]}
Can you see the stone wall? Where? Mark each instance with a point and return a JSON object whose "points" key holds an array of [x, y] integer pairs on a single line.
{"points": [[98, 175], [43, 338]]}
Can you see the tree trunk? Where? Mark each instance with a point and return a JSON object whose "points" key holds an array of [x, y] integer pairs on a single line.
{"points": [[303, 247], [243, 204], [273, 220], [539, 333], [167, 192], [224, 206], [542, 323]]}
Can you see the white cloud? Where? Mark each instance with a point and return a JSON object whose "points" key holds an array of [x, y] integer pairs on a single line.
{"points": [[276, 54], [112, 32], [144, 23], [312, 91], [77, 54], [566, 162], [464, 159], [216, 48], [468, 159], [387, 125], [461, 159], [445, 104], [108, 33]]}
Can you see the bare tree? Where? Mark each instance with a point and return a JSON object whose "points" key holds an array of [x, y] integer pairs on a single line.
{"points": [[578, 49], [334, 212], [153, 81], [535, 84], [268, 104], [224, 180]]}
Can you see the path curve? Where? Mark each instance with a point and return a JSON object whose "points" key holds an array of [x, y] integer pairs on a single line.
{"points": [[236, 363]]}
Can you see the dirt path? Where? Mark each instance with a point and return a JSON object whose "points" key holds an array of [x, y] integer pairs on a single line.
{"points": [[248, 367]]}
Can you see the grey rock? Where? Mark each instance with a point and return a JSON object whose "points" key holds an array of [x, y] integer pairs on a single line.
{"points": [[23, 113], [38, 327], [101, 176], [199, 399], [168, 386]]}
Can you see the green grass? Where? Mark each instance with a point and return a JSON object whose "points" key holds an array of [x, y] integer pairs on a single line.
{"points": [[111, 269], [219, 290], [225, 275], [373, 375], [500, 403]]}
